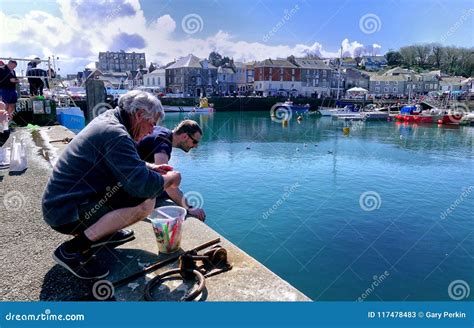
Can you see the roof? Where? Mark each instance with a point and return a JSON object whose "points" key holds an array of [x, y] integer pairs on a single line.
{"points": [[192, 62], [158, 71], [311, 63], [398, 70], [275, 63], [388, 78], [374, 59], [225, 70]]}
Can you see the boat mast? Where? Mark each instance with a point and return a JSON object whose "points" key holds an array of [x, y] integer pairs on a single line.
{"points": [[339, 74]]}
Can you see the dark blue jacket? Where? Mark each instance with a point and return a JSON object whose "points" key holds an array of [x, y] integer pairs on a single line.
{"points": [[97, 159]]}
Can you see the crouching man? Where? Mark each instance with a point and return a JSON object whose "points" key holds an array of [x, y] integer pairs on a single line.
{"points": [[157, 147], [99, 185]]}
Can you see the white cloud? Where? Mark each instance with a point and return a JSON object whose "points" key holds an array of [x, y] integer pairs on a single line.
{"points": [[85, 28]]}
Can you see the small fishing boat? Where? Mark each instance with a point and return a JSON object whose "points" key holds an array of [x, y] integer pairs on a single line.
{"points": [[330, 111], [290, 106]]}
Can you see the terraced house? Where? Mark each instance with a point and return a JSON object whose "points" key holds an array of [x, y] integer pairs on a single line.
{"points": [[191, 77], [277, 77], [315, 77]]}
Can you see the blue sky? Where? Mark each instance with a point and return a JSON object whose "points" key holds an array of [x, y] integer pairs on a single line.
{"points": [[245, 30]]}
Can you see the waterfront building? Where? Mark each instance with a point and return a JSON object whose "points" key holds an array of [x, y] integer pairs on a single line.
{"points": [[156, 79], [384, 85], [249, 76], [191, 77], [240, 77], [316, 77], [277, 77], [121, 61], [226, 80]]}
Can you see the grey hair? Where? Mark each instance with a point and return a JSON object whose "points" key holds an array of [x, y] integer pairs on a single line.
{"points": [[134, 100]]}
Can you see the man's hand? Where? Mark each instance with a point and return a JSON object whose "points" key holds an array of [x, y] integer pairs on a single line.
{"points": [[3, 118], [14, 80], [171, 179], [161, 169], [198, 213]]}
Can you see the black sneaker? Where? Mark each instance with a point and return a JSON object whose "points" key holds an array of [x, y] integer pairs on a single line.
{"points": [[116, 239], [82, 265]]}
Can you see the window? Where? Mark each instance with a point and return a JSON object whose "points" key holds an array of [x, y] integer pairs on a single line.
{"points": [[269, 86], [159, 82], [153, 81], [325, 73], [293, 71], [395, 82], [292, 78], [395, 89], [387, 82], [377, 82], [377, 89], [281, 85], [385, 89], [314, 82]]}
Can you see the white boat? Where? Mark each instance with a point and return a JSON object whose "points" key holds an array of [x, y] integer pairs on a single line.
{"points": [[330, 111]]}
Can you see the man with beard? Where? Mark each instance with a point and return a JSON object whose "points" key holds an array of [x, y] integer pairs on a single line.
{"points": [[157, 147]]}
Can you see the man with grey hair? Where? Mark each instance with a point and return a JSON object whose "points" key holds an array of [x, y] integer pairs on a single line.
{"points": [[100, 185]]}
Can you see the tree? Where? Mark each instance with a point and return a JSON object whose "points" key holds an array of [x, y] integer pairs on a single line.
{"points": [[422, 52], [438, 54], [409, 55], [151, 68], [358, 53], [394, 58], [215, 58], [451, 60]]}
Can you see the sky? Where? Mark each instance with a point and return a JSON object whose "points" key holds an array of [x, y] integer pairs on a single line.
{"points": [[75, 31]]}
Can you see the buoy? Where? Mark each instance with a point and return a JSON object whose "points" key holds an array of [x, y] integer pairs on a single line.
{"points": [[346, 130]]}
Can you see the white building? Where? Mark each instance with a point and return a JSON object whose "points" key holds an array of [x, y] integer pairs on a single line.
{"points": [[155, 79]]}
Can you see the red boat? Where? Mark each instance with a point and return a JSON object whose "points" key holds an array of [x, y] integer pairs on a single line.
{"points": [[424, 119], [451, 118], [409, 118]]}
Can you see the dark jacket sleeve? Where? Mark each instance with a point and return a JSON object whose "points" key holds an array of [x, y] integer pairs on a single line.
{"points": [[127, 167]]}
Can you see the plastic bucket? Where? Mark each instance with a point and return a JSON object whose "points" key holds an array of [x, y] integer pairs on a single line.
{"points": [[167, 224]]}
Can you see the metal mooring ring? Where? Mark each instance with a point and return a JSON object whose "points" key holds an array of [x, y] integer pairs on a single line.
{"points": [[156, 281]]}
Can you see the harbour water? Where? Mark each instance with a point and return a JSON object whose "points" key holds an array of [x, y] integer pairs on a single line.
{"points": [[384, 213]]}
